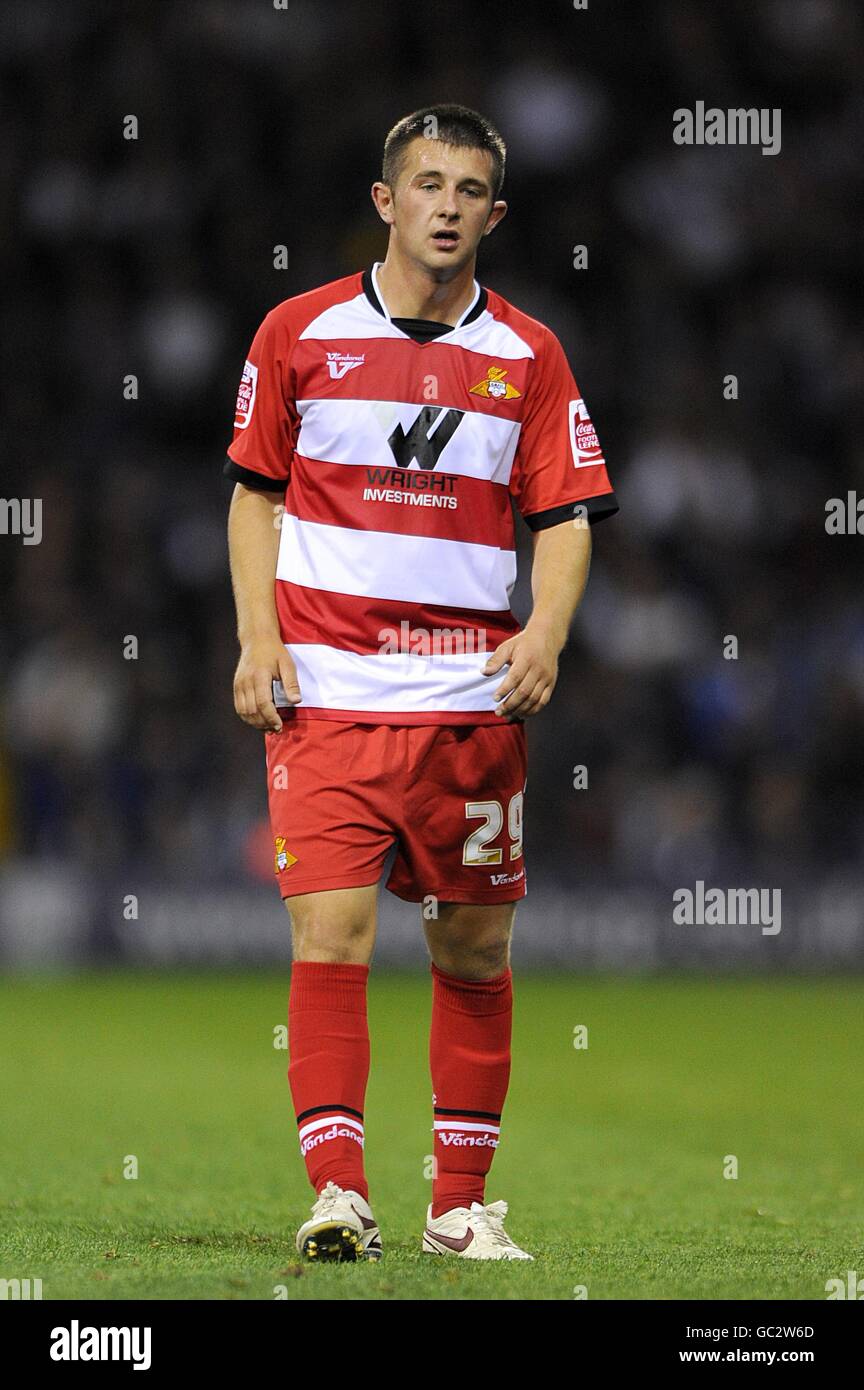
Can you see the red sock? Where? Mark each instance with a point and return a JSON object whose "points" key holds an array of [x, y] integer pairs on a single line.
{"points": [[328, 1041], [469, 1056]]}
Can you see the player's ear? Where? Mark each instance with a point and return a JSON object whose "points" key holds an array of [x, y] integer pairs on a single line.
{"points": [[497, 211], [383, 200]]}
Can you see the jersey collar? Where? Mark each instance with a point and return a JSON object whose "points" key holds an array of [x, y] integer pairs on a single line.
{"points": [[373, 293]]}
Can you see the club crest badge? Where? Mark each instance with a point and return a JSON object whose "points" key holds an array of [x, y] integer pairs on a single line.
{"points": [[284, 857], [495, 387]]}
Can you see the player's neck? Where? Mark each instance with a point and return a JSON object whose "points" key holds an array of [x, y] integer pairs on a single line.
{"points": [[412, 292]]}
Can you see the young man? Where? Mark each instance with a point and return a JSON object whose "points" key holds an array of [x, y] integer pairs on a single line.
{"points": [[395, 413]]}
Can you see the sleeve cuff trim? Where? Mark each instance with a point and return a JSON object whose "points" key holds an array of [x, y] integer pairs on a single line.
{"points": [[598, 509], [260, 482]]}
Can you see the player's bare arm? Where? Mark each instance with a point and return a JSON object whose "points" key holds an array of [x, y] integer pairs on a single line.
{"points": [[559, 574], [253, 544]]}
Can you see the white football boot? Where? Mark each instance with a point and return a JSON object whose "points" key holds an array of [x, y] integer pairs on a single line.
{"points": [[475, 1233], [341, 1227]]}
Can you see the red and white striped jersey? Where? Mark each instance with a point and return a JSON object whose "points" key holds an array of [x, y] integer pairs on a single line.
{"points": [[401, 446]]}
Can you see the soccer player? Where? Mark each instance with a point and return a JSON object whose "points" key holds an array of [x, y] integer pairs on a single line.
{"points": [[386, 424]]}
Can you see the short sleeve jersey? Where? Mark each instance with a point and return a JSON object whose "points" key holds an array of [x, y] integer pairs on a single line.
{"points": [[400, 448]]}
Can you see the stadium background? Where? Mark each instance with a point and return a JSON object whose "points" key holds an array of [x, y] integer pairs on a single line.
{"points": [[261, 127]]}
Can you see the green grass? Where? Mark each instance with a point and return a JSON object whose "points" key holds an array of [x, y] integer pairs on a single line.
{"points": [[611, 1158]]}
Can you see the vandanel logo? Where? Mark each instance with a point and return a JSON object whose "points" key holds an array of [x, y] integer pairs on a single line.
{"points": [[340, 363], [495, 387]]}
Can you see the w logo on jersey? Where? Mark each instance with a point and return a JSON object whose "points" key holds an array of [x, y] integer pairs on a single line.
{"points": [[419, 443]]}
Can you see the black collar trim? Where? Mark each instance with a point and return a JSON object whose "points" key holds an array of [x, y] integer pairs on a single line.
{"points": [[369, 291]]}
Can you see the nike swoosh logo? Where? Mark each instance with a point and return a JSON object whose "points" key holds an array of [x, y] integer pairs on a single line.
{"points": [[364, 1220], [450, 1241]]}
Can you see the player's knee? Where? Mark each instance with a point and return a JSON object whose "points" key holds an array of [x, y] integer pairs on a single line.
{"points": [[320, 934], [474, 960]]}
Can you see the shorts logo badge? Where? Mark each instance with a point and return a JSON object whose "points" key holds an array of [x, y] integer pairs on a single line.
{"points": [[284, 857], [495, 387]]}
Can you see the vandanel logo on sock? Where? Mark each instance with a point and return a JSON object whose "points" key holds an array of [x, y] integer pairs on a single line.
{"points": [[467, 1133], [459, 1140], [318, 1132]]}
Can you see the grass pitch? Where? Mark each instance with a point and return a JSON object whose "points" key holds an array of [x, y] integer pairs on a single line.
{"points": [[612, 1157]]}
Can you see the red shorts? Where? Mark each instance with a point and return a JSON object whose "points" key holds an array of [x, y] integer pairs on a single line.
{"points": [[450, 795]]}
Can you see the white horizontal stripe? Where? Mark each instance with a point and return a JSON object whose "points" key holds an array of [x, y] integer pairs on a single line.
{"points": [[463, 1124], [397, 683], [353, 318], [329, 1120], [346, 431], [493, 338], [376, 564], [356, 318]]}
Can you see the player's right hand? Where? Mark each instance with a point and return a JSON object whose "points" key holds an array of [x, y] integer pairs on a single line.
{"points": [[261, 662]]}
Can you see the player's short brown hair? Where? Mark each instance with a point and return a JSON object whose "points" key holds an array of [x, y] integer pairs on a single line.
{"points": [[452, 125]]}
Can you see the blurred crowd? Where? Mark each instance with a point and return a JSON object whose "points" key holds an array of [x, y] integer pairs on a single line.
{"points": [[728, 760]]}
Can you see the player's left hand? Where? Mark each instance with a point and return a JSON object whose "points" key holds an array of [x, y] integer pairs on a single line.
{"points": [[527, 688]]}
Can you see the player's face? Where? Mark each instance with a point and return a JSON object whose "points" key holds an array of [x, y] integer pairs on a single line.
{"points": [[443, 204]]}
